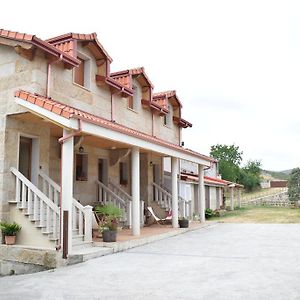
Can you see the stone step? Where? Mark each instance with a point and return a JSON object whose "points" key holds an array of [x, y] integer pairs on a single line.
{"points": [[81, 254]]}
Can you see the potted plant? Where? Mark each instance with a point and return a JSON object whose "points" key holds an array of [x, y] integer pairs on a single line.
{"points": [[9, 230], [183, 222], [109, 216]]}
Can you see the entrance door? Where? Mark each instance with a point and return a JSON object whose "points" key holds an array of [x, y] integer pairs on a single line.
{"points": [[103, 171], [156, 174], [25, 156]]}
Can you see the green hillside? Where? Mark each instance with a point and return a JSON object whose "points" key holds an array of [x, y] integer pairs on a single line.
{"points": [[283, 175]]}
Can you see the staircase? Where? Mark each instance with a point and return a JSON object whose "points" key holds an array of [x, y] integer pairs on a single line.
{"points": [[163, 197], [114, 194], [41, 206], [35, 205]]}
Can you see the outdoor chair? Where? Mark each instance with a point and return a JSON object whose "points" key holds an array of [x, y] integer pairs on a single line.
{"points": [[158, 220]]}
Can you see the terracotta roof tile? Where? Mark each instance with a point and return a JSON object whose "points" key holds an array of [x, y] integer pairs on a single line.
{"points": [[32, 39], [131, 72], [69, 112], [16, 35], [92, 37]]}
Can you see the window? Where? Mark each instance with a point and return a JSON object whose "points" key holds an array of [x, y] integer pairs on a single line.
{"points": [[133, 101], [81, 167], [82, 74], [123, 173], [168, 117]]}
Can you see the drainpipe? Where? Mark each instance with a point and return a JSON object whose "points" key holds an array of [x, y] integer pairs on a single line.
{"points": [[61, 141], [49, 74]]}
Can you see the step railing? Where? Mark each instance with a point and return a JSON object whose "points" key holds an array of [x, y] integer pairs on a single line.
{"points": [[162, 196], [119, 191], [81, 215], [125, 196], [39, 207], [49, 187], [106, 195]]}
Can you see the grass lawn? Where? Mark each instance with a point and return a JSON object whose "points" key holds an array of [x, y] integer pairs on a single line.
{"points": [[261, 215]]}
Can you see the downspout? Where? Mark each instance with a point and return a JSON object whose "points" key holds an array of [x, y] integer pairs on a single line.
{"points": [[49, 74], [61, 141]]}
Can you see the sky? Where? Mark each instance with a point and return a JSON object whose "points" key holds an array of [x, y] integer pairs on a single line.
{"points": [[235, 65]]}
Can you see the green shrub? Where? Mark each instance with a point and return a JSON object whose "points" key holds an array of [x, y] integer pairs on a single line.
{"points": [[9, 229], [216, 213], [208, 213]]}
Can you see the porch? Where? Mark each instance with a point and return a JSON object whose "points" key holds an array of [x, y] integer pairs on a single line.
{"points": [[93, 164]]}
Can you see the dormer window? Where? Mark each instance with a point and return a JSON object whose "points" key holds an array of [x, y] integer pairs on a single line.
{"points": [[168, 117], [82, 74], [133, 101]]}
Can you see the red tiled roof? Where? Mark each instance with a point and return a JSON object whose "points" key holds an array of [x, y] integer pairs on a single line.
{"points": [[182, 122], [209, 180], [216, 180], [163, 96], [124, 76], [125, 91], [64, 42], [68, 112], [32, 39]]}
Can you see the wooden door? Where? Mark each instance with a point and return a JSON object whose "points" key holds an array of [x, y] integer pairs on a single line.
{"points": [[25, 156]]}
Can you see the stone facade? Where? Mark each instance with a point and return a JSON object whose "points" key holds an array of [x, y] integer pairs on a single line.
{"points": [[17, 72]]}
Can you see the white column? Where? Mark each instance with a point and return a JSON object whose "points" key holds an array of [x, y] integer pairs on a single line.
{"points": [[239, 198], [232, 198], [67, 158], [201, 193], [174, 171], [135, 188], [88, 223]]}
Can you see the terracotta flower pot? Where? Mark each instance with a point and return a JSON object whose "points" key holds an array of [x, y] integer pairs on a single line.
{"points": [[10, 239]]}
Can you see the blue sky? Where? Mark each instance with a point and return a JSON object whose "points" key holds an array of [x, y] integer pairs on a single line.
{"points": [[234, 64]]}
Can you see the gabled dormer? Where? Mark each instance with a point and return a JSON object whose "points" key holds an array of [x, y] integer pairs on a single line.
{"points": [[69, 43], [26, 45], [128, 78], [171, 108]]}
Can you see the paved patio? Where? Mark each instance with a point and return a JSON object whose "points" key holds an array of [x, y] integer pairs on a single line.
{"points": [[221, 261]]}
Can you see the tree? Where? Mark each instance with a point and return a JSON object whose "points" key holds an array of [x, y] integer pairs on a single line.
{"points": [[229, 158], [294, 185], [253, 167], [250, 175]]}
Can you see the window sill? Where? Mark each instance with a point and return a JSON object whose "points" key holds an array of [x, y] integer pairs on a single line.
{"points": [[81, 86], [133, 110]]}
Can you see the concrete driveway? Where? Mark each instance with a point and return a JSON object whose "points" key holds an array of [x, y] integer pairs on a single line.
{"points": [[222, 261]]}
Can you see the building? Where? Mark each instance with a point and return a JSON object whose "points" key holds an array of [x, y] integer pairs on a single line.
{"points": [[73, 135], [215, 187]]}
